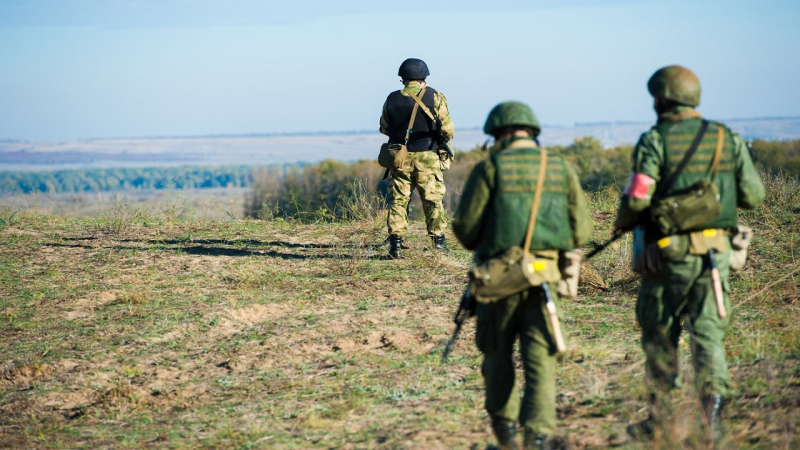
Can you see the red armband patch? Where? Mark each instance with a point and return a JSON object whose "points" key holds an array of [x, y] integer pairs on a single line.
{"points": [[638, 186]]}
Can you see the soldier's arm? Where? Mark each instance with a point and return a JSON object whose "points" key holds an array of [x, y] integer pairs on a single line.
{"points": [[440, 105], [471, 211], [579, 216], [384, 128], [750, 188], [648, 157]]}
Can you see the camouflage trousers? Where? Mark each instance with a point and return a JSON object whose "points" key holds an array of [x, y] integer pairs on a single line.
{"points": [[421, 170], [682, 294], [524, 315]]}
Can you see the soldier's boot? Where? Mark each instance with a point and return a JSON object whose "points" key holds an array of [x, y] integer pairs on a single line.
{"points": [[538, 441], [387, 243], [439, 242], [395, 244], [642, 430], [646, 429], [506, 434], [712, 406]]}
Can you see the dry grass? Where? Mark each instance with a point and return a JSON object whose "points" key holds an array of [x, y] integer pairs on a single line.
{"points": [[276, 334]]}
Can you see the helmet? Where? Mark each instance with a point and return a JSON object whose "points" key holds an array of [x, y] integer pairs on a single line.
{"points": [[677, 84], [508, 114], [413, 69]]}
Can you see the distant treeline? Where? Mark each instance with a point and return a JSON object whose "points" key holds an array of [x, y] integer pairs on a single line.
{"points": [[293, 189], [303, 191], [125, 179]]}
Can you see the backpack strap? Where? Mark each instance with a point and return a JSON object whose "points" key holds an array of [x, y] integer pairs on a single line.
{"points": [[717, 151]]}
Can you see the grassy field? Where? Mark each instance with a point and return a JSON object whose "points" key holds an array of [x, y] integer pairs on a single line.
{"points": [[134, 329]]}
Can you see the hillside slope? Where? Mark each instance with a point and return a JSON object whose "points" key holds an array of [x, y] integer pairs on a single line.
{"points": [[130, 331]]}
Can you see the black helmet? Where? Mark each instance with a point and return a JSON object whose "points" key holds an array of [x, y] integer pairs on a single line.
{"points": [[413, 69]]}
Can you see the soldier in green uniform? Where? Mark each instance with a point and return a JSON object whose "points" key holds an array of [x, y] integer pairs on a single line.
{"points": [[423, 167], [492, 217], [680, 286]]}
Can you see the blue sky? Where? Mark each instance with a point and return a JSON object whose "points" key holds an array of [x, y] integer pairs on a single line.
{"points": [[136, 68]]}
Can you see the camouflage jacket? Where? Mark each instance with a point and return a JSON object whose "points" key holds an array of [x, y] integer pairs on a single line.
{"points": [[472, 221], [439, 106], [648, 161]]}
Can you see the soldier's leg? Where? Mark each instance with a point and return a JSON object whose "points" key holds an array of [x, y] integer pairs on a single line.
{"points": [[430, 183], [494, 336], [708, 329], [538, 411], [399, 196], [661, 329]]}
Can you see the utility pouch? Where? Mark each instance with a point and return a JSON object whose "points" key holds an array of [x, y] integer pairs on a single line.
{"points": [[516, 269], [698, 205], [672, 248], [510, 272], [700, 242], [445, 161], [569, 265], [392, 156], [739, 243]]}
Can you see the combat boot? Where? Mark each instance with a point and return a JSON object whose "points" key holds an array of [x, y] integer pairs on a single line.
{"points": [[439, 242], [712, 406], [395, 244], [506, 434]]}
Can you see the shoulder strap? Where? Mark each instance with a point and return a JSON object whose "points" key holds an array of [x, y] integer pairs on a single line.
{"points": [[537, 196], [413, 112], [686, 158], [717, 151], [425, 109]]}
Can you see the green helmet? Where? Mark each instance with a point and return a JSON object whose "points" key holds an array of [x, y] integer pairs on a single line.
{"points": [[677, 84], [508, 114]]}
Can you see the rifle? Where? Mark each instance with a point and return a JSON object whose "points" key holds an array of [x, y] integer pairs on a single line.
{"points": [[618, 233], [440, 138], [553, 316], [466, 309]]}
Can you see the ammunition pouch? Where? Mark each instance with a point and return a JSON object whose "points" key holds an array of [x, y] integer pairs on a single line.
{"points": [[700, 242], [569, 266], [392, 156], [511, 272], [740, 240], [698, 205]]}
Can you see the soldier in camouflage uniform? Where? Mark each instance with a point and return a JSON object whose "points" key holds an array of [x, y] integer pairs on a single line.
{"points": [[422, 167], [682, 288], [492, 217]]}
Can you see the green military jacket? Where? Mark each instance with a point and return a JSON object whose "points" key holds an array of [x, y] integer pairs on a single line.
{"points": [[659, 152], [496, 202]]}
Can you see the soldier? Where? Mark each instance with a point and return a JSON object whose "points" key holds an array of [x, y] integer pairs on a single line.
{"points": [[422, 168], [677, 284], [492, 216]]}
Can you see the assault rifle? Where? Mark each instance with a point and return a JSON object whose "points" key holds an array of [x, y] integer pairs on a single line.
{"points": [[466, 309]]}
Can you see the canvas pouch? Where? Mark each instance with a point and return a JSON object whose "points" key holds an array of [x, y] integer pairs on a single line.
{"points": [[698, 205], [392, 156], [569, 266]]}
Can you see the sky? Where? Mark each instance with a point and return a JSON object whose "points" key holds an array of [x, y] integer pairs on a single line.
{"points": [[83, 69]]}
